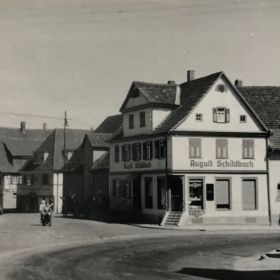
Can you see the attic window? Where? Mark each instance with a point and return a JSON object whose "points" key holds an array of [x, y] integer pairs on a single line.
{"points": [[221, 88]]}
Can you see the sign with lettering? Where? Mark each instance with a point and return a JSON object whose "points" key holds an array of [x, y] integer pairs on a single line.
{"points": [[221, 163], [138, 164]]}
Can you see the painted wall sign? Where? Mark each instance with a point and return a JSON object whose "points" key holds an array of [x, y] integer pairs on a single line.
{"points": [[139, 164], [221, 163]]}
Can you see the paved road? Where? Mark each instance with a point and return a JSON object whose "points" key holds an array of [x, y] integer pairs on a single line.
{"points": [[177, 257], [76, 249]]}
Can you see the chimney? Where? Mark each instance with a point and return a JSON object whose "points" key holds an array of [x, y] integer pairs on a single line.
{"points": [[44, 126], [171, 83], [238, 83], [22, 127], [178, 95], [190, 75]]}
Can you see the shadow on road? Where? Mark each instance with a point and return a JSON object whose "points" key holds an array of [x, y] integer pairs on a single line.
{"points": [[226, 274]]}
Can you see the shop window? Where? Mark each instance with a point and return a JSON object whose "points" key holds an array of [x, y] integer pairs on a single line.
{"points": [[221, 115], [243, 118], [249, 194], [136, 151], [195, 148], [45, 179], [196, 193], [222, 194], [117, 153], [148, 150], [248, 149], [131, 121], [148, 192], [161, 193], [221, 148], [142, 119]]}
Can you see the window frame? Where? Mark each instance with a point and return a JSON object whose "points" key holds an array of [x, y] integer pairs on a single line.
{"points": [[195, 147], [217, 146], [142, 119], [246, 147]]}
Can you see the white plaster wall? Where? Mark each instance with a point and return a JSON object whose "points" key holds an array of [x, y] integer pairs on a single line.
{"points": [[236, 210], [215, 99], [182, 161], [137, 130], [274, 178], [158, 116]]}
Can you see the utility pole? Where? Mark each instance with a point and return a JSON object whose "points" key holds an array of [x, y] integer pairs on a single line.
{"points": [[64, 136]]}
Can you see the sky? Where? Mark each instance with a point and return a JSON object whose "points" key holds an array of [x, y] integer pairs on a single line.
{"points": [[82, 55]]}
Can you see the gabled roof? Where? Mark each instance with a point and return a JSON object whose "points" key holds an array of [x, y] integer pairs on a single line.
{"points": [[99, 139], [110, 125], [22, 143], [156, 94], [265, 100], [5, 166], [102, 162], [191, 94], [54, 146]]}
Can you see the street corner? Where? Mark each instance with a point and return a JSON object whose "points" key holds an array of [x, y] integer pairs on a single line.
{"points": [[269, 261]]}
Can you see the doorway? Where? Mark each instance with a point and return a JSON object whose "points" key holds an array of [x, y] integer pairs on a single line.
{"points": [[176, 189], [137, 192]]}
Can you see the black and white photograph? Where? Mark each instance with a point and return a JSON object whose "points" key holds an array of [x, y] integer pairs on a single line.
{"points": [[139, 139]]}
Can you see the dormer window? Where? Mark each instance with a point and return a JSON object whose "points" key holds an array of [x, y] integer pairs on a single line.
{"points": [[69, 154], [40, 157], [221, 115]]}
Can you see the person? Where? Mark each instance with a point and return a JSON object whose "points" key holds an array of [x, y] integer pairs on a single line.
{"points": [[47, 210], [41, 208]]}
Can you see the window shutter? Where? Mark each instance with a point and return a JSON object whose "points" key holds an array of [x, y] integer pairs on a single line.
{"points": [[140, 151], [214, 114], [133, 151], [128, 152], [157, 149], [145, 150], [123, 152], [151, 145], [227, 115]]}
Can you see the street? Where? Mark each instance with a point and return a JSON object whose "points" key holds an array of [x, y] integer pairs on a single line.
{"points": [[80, 249]]}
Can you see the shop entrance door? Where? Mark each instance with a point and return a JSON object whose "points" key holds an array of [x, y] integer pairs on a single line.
{"points": [[176, 187], [137, 192]]}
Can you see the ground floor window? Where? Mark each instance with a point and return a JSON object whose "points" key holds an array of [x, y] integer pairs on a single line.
{"points": [[148, 192], [121, 188], [222, 193], [249, 194], [161, 193]]}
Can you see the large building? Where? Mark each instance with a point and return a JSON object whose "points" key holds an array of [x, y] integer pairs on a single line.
{"points": [[194, 153]]}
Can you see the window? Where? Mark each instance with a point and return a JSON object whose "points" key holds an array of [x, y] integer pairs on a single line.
{"points": [[116, 187], [160, 148], [142, 119], [28, 180], [127, 185], [45, 179], [126, 152], [161, 193], [198, 117], [136, 151], [131, 121], [248, 149], [221, 88], [196, 193], [148, 192], [117, 153], [147, 150], [195, 147], [221, 115], [69, 154], [249, 194], [221, 148], [243, 118], [222, 193]]}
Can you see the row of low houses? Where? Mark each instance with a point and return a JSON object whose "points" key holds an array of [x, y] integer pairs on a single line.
{"points": [[203, 151]]}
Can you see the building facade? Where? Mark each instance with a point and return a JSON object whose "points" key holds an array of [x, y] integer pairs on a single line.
{"points": [[191, 153]]}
